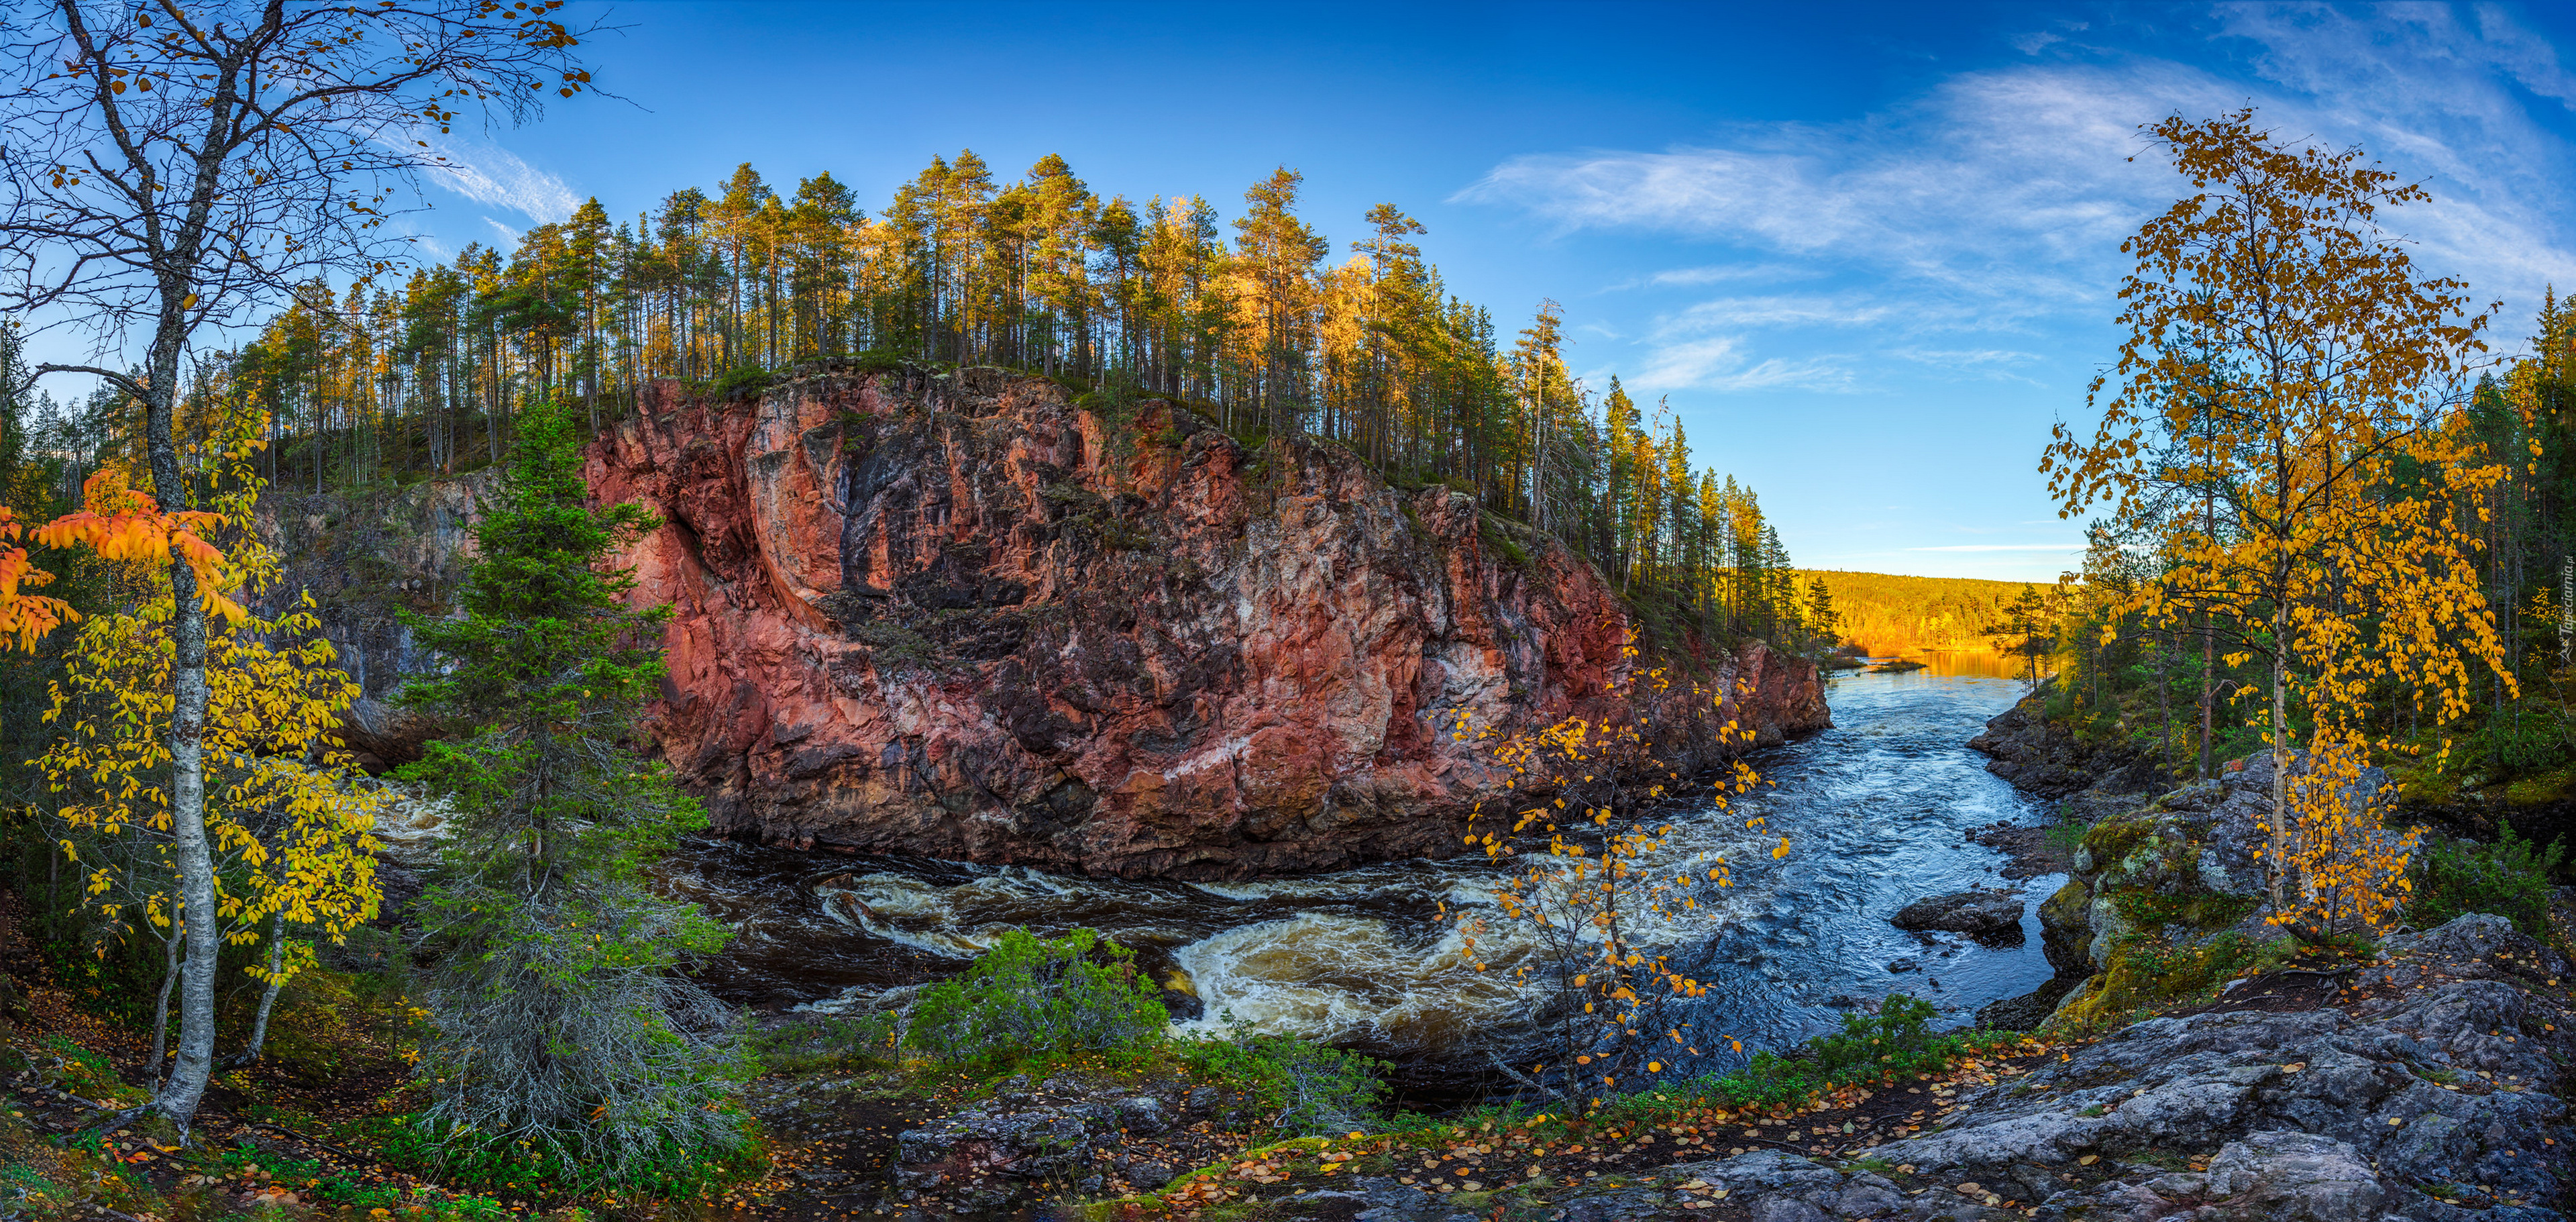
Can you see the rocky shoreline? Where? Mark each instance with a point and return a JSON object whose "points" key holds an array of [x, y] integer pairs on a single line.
{"points": [[2423, 1085], [2165, 901], [2427, 1082], [2423, 1089]]}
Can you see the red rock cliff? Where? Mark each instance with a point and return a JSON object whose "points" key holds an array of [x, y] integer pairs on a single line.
{"points": [[960, 616]]}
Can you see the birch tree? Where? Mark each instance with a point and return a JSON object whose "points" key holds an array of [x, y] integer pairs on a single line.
{"points": [[2293, 378], [172, 169]]}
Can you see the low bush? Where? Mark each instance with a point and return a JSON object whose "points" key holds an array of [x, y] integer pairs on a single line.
{"points": [[2531, 739], [1030, 999], [1893, 1041], [2510, 878], [245, 1158], [1312, 1090], [2066, 832], [741, 385]]}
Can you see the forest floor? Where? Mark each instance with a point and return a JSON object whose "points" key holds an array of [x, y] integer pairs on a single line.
{"points": [[275, 1139]]}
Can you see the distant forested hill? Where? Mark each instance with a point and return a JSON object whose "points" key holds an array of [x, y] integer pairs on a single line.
{"points": [[1889, 614]]}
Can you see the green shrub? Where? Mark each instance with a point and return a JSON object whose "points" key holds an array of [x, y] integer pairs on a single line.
{"points": [[358, 1193], [2510, 878], [1120, 536], [244, 1157], [1898, 1033], [1034, 999], [1312, 1090], [742, 385], [1115, 399], [1498, 539], [2066, 833], [1896, 1040]]}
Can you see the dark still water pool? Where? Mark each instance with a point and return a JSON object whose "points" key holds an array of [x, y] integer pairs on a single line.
{"points": [[1877, 811]]}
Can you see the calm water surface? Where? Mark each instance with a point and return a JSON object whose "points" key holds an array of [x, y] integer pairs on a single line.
{"points": [[1876, 810]]}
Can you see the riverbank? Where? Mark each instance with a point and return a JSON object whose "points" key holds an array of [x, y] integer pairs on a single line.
{"points": [[1876, 809], [2420, 1084]]}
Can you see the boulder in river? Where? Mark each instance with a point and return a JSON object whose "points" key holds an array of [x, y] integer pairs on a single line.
{"points": [[2084, 779], [1993, 916]]}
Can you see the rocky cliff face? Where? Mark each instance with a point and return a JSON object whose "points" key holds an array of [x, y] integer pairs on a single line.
{"points": [[960, 616]]}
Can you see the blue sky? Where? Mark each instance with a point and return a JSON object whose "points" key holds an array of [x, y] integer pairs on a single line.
{"points": [[1868, 251]]}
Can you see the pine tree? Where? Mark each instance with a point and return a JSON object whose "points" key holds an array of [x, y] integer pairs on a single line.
{"points": [[562, 1021], [2027, 627], [1822, 620]]}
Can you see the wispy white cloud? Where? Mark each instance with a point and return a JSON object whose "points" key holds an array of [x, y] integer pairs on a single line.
{"points": [[2036, 41], [1975, 358], [1839, 310], [1986, 184], [507, 235], [1720, 364], [1726, 273], [1996, 201], [497, 178]]}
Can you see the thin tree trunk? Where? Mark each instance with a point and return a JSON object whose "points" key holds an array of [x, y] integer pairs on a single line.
{"points": [[268, 996], [186, 1086], [161, 1007], [2277, 854], [2208, 658], [2164, 706]]}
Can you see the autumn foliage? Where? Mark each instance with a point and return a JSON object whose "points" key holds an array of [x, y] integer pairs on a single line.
{"points": [[1588, 910], [288, 827], [25, 618], [2281, 442]]}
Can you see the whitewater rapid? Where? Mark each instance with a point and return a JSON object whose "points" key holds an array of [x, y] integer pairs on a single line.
{"points": [[1875, 811]]}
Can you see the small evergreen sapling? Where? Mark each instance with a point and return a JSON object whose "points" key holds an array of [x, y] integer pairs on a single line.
{"points": [[562, 1018]]}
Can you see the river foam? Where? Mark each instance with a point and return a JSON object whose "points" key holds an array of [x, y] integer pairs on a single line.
{"points": [[1379, 958]]}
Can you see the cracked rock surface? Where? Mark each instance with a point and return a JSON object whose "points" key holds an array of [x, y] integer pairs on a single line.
{"points": [[2429, 1097]]}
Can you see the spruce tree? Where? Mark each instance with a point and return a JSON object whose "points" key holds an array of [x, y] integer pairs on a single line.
{"points": [[563, 1020]]}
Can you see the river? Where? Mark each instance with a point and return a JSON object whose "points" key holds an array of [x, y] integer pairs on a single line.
{"points": [[1876, 811]]}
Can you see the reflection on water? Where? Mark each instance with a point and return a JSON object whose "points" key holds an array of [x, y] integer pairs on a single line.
{"points": [[1968, 662], [1875, 810]]}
